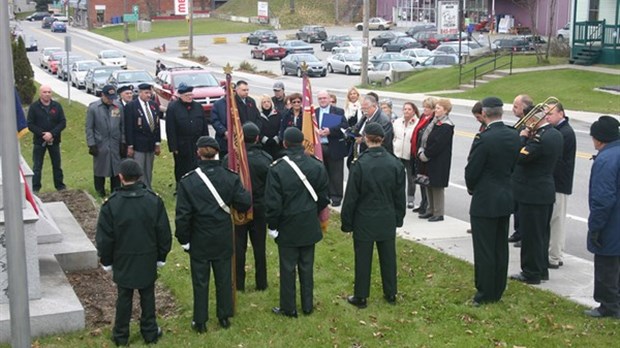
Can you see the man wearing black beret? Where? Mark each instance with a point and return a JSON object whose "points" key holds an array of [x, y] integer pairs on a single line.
{"points": [[490, 163], [126, 94], [133, 237]]}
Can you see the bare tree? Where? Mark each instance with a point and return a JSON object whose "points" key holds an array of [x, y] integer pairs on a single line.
{"points": [[552, 6], [292, 6]]}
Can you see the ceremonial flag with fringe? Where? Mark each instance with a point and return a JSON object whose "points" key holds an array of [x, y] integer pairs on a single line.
{"points": [[22, 124], [312, 142], [237, 155]]}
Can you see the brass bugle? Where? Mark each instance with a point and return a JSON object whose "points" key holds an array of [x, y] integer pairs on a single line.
{"points": [[537, 114]]}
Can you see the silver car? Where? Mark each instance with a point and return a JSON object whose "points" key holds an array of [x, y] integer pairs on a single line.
{"points": [[348, 63], [64, 64], [419, 55], [79, 70], [384, 72], [293, 62], [45, 54], [97, 77]]}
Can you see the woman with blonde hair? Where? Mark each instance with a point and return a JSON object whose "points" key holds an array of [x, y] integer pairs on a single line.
{"points": [[269, 125], [428, 107], [352, 106], [403, 131], [435, 152]]}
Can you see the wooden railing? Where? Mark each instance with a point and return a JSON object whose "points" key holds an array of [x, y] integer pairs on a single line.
{"points": [[589, 33], [487, 67]]}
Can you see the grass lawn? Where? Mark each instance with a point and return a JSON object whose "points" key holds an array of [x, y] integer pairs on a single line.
{"points": [[170, 28], [433, 293]]}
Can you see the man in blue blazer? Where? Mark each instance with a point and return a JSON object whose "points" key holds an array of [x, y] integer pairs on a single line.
{"points": [[332, 123]]}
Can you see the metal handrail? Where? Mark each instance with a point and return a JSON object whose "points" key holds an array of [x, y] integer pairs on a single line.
{"points": [[496, 55]]}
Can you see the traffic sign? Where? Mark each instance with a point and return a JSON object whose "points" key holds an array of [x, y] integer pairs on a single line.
{"points": [[136, 8], [130, 17]]}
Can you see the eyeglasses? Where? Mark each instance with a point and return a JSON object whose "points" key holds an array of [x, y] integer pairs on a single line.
{"points": [[296, 102]]}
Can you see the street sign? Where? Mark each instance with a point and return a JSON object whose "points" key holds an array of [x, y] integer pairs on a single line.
{"points": [[130, 17], [136, 9]]}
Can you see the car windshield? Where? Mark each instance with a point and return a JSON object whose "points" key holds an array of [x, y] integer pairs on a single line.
{"points": [[308, 58], [343, 38], [196, 80], [134, 76], [102, 72], [352, 57], [87, 65], [298, 43], [111, 54], [401, 66]]}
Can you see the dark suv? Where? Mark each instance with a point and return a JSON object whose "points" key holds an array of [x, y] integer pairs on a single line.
{"points": [[311, 33]]}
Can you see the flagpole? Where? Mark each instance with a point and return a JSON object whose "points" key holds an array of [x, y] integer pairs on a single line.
{"points": [[229, 128]]}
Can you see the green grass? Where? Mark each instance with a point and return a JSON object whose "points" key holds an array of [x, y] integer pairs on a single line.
{"points": [[174, 28], [432, 310]]}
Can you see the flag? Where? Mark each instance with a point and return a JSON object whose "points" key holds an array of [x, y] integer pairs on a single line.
{"points": [[237, 156], [312, 140], [22, 124], [29, 196]]}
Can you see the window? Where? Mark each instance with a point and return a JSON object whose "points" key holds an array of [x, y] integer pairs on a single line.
{"points": [[593, 11]]}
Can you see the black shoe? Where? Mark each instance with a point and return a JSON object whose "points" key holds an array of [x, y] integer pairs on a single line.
{"points": [[101, 194], [307, 312], [261, 288], [200, 328], [225, 323], [521, 278], [425, 215], [160, 333], [545, 277], [391, 299], [555, 266], [357, 301], [435, 218], [515, 237], [335, 203], [517, 244], [120, 343], [61, 188], [280, 311], [598, 313], [469, 230]]}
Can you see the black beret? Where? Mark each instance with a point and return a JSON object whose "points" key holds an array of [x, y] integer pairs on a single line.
{"points": [[123, 89], [605, 129], [184, 88], [207, 141], [293, 135], [373, 128], [109, 91], [144, 86], [250, 131], [492, 102], [130, 168]]}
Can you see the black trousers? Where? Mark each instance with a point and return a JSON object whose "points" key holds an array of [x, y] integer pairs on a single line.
{"points": [[294, 259], [201, 272], [38, 155], [185, 162], [607, 284], [148, 322], [363, 266], [534, 223], [490, 239], [335, 171], [516, 221], [115, 182], [257, 231]]}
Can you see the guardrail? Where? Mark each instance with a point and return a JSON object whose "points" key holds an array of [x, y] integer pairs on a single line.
{"points": [[478, 69]]}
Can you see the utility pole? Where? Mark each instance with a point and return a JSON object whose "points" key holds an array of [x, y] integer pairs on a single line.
{"points": [[337, 12], [191, 29], [292, 4], [125, 25], [365, 44]]}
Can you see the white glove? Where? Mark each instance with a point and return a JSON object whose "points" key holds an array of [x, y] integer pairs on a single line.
{"points": [[185, 246], [264, 139], [273, 233], [107, 268], [160, 264], [276, 139]]}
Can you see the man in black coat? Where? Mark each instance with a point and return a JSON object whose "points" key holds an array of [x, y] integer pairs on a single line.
{"points": [[333, 144], [292, 205], [248, 110], [220, 124], [46, 120], [373, 113], [133, 237], [142, 132], [534, 191], [491, 160], [185, 123], [279, 97]]}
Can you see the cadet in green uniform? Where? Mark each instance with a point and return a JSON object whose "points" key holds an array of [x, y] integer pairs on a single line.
{"points": [[291, 210], [534, 191], [259, 162], [204, 228], [491, 160], [133, 236], [374, 205]]}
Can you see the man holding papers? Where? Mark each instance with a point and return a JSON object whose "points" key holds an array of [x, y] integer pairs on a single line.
{"points": [[332, 123]]}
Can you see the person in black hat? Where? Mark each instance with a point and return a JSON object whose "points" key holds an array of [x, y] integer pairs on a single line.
{"points": [[133, 239], [105, 133], [291, 211], [159, 66], [604, 220], [279, 97], [491, 160], [259, 162], [374, 205], [126, 94], [142, 131], [186, 121], [204, 228]]}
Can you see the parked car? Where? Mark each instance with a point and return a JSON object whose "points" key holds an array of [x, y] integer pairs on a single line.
{"points": [[112, 58], [422, 27], [468, 48], [46, 52], [429, 39], [296, 46], [131, 78], [348, 63], [292, 65], [439, 61], [268, 51], [418, 55], [390, 57], [382, 38], [262, 36], [37, 16], [311, 33], [63, 66], [59, 27], [46, 23], [375, 23], [564, 32], [31, 44], [383, 73], [79, 70], [60, 17], [54, 60], [400, 44], [512, 44], [353, 46], [207, 88], [333, 41], [97, 77]]}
